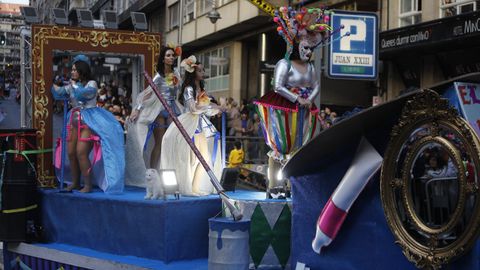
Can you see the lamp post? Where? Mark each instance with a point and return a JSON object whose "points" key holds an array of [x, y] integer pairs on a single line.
{"points": [[213, 15], [180, 29]]}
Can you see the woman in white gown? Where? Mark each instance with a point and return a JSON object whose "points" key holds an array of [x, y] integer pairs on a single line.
{"points": [[176, 153], [149, 119]]}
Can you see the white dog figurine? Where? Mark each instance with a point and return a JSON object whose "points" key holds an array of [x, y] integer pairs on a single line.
{"points": [[154, 185]]}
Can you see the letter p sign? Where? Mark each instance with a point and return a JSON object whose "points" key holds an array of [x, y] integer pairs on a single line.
{"points": [[358, 32]]}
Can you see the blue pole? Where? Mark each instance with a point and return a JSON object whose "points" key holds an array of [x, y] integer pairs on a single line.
{"points": [[224, 139], [64, 142]]}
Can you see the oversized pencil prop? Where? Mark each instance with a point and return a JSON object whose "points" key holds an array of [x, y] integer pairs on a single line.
{"points": [[365, 164], [228, 202]]}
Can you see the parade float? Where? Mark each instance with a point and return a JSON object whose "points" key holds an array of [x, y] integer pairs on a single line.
{"points": [[362, 196]]}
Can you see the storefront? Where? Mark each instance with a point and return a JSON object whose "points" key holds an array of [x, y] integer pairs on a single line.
{"points": [[425, 54]]}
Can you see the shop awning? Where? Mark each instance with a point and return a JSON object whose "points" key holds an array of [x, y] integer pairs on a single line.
{"points": [[454, 32]]}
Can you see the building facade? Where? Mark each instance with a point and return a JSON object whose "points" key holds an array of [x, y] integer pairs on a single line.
{"points": [[426, 42], [240, 50], [10, 26]]}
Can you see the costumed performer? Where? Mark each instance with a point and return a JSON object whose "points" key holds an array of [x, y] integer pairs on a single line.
{"points": [[90, 127], [176, 153], [287, 114], [150, 119]]}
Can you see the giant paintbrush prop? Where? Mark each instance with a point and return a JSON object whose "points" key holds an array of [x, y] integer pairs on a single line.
{"points": [[228, 202]]}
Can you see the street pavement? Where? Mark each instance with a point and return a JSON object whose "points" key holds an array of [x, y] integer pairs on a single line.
{"points": [[11, 112]]}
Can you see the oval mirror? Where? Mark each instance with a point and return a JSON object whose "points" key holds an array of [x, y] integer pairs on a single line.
{"points": [[429, 182], [433, 185]]}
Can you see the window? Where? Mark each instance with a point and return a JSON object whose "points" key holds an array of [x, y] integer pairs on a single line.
{"points": [[173, 15], [204, 6], [189, 11], [410, 12], [456, 7], [217, 68]]}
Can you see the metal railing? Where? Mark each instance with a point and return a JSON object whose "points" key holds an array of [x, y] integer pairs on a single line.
{"points": [[437, 193], [255, 148]]}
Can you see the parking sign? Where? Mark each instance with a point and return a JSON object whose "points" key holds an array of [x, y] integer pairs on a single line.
{"points": [[354, 56]]}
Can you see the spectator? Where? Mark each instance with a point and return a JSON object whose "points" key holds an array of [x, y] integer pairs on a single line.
{"points": [[333, 117], [322, 118], [257, 148], [229, 102], [436, 167], [102, 97], [122, 101], [236, 157], [116, 110], [121, 91], [328, 124], [109, 94], [327, 112], [244, 107], [233, 112], [257, 126], [108, 106], [243, 126]]}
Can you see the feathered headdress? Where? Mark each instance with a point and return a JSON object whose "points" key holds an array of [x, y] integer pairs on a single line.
{"points": [[311, 23]]}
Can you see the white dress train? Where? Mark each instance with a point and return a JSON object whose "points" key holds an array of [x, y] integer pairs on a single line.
{"points": [[176, 153]]}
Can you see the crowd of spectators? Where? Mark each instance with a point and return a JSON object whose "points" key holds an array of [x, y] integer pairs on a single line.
{"points": [[327, 118], [243, 125], [115, 99]]}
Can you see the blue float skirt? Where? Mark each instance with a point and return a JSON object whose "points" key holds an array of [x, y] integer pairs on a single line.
{"points": [[110, 176]]}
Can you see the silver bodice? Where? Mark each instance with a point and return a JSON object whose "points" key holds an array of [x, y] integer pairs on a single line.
{"points": [[190, 103], [168, 92], [189, 97], [288, 77]]}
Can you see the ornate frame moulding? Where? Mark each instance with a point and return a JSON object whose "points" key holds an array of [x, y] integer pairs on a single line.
{"points": [[428, 109], [49, 38]]}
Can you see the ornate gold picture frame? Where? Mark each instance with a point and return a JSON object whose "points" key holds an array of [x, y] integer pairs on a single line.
{"points": [[45, 40], [428, 121]]}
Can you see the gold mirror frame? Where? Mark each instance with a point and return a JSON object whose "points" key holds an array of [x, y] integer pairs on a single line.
{"points": [[48, 38], [428, 107]]}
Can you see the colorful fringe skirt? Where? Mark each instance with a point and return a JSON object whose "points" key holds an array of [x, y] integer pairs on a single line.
{"points": [[286, 126]]}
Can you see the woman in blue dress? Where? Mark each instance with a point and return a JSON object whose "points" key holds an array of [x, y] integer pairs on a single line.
{"points": [[90, 127]]}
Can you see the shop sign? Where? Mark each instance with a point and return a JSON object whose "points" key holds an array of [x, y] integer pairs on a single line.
{"points": [[266, 67], [431, 32], [469, 98]]}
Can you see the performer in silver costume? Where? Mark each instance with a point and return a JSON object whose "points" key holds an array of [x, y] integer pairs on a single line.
{"points": [[149, 119], [176, 153], [288, 77], [287, 114]]}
